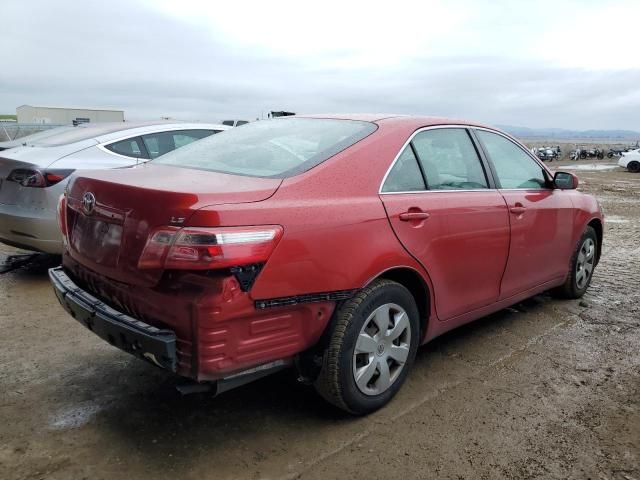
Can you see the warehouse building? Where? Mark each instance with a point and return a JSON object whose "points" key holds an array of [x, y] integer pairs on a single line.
{"points": [[64, 116]]}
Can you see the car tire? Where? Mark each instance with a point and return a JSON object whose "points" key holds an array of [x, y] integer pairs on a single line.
{"points": [[583, 262], [634, 167], [353, 376]]}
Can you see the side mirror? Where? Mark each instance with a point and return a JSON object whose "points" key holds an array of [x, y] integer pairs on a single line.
{"points": [[565, 181]]}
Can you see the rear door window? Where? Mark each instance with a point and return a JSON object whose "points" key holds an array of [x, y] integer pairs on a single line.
{"points": [[131, 147], [405, 174], [449, 160]]}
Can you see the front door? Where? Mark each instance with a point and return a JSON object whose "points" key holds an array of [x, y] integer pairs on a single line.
{"points": [[442, 208], [541, 217]]}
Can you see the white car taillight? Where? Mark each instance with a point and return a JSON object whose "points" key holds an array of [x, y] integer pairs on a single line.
{"points": [[37, 179], [202, 248]]}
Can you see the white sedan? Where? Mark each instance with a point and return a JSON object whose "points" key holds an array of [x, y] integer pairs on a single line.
{"points": [[630, 160], [34, 175]]}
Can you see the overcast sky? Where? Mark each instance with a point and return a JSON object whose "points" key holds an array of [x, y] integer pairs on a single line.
{"points": [[569, 64]]}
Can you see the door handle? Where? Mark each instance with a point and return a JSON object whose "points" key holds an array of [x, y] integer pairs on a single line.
{"points": [[518, 210], [408, 216]]}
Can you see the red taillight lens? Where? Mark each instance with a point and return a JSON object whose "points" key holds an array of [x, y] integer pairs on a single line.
{"points": [[195, 248], [157, 247], [61, 214], [37, 179]]}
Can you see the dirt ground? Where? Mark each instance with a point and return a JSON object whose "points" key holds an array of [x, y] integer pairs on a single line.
{"points": [[546, 389]]}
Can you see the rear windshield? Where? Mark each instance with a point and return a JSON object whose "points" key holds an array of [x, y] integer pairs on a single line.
{"points": [[270, 148], [86, 131], [79, 133], [27, 139]]}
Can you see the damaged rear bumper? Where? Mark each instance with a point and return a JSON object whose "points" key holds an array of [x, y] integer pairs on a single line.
{"points": [[145, 341]]}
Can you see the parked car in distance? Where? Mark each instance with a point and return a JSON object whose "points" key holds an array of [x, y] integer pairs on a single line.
{"points": [[27, 139], [335, 243], [33, 176], [630, 160], [234, 123]]}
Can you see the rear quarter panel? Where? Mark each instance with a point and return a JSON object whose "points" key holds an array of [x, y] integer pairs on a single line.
{"points": [[336, 232]]}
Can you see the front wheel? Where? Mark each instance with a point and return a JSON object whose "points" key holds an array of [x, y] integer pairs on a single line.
{"points": [[372, 346], [634, 167], [582, 264]]}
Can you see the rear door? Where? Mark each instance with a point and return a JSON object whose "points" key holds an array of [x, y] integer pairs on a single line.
{"points": [[541, 217], [446, 212]]}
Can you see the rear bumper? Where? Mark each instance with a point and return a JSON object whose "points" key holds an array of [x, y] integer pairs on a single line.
{"points": [[155, 345], [30, 229], [218, 329]]}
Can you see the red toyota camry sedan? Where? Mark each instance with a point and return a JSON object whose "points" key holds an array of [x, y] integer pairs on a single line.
{"points": [[337, 244]]}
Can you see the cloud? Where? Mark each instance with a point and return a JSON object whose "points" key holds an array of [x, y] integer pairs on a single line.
{"points": [[494, 62]]}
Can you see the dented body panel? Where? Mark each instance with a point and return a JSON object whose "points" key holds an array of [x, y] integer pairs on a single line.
{"points": [[338, 234]]}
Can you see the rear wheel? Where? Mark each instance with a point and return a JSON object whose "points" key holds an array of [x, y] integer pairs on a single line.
{"points": [[372, 347], [634, 166], [582, 264]]}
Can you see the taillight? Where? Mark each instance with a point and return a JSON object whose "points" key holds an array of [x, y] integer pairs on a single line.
{"points": [[203, 248], [38, 179], [61, 214]]}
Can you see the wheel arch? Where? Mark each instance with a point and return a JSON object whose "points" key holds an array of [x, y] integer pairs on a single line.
{"points": [[596, 224], [413, 281]]}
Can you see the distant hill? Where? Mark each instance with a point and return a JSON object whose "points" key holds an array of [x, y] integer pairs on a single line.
{"points": [[561, 133]]}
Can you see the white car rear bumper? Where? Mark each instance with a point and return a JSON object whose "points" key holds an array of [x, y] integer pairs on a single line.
{"points": [[30, 229]]}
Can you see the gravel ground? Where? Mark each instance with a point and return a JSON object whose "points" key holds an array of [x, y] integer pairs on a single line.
{"points": [[546, 389]]}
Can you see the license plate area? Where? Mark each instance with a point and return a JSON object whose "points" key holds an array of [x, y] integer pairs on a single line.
{"points": [[96, 239]]}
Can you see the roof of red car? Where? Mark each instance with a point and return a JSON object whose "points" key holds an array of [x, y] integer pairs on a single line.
{"points": [[407, 120], [366, 117]]}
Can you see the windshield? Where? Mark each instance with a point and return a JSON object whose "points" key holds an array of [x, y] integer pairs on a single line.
{"points": [[271, 148]]}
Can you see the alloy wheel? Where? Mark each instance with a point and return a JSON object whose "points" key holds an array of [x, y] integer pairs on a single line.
{"points": [[584, 264], [382, 349]]}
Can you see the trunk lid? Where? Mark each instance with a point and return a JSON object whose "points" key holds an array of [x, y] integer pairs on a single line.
{"points": [[127, 204], [30, 158]]}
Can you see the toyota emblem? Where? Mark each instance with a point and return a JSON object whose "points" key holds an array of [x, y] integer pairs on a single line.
{"points": [[88, 203]]}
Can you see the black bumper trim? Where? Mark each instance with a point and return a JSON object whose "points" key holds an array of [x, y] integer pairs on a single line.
{"points": [[307, 298], [145, 341]]}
